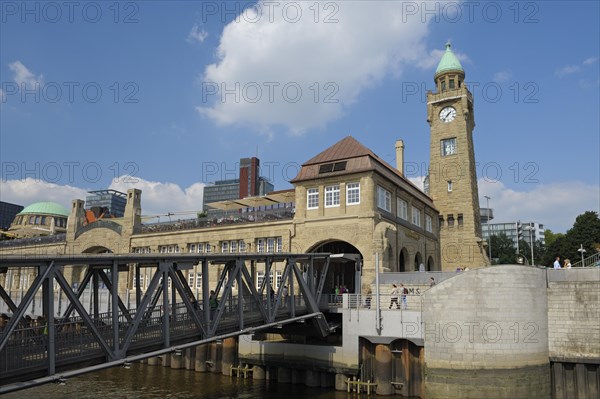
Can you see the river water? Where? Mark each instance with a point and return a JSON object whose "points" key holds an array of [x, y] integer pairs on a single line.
{"points": [[143, 381]]}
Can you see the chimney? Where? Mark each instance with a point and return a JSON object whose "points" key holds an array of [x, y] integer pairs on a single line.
{"points": [[400, 156]]}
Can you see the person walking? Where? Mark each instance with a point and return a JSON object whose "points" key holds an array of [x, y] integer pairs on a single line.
{"points": [[394, 297]]}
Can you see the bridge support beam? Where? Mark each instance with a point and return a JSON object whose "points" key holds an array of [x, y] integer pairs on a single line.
{"points": [[383, 370], [201, 358], [258, 373], [229, 352]]}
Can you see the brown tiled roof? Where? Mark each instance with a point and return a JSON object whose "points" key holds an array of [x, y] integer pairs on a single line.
{"points": [[346, 148], [359, 159]]}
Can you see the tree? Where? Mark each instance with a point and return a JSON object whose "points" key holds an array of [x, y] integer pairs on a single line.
{"points": [[503, 249], [585, 231]]}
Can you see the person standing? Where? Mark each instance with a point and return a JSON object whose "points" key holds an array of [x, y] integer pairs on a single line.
{"points": [[404, 293], [213, 303], [394, 297], [557, 263], [286, 296], [567, 264], [431, 282]]}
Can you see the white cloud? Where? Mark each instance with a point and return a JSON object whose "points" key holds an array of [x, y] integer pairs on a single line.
{"points": [[29, 190], [502, 76], [24, 77], [571, 69], [157, 198], [555, 205], [331, 63], [197, 35], [161, 198]]}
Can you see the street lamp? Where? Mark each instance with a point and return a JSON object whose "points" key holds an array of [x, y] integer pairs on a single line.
{"points": [[487, 222], [582, 250], [530, 228]]}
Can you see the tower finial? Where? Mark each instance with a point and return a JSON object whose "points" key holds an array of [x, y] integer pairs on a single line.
{"points": [[448, 45]]}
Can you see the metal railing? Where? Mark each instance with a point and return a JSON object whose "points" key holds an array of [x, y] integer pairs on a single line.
{"points": [[225, 219], [590, 261]]}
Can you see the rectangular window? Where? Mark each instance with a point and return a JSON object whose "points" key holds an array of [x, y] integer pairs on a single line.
{"points": [[260, 277], [402, 208], [260, 245], [225, 246], [459, 219], [448, 146], [384, 199], [208, 248], [279, 245], [428, 223], [451, 83], [198, 280], [278, 279], [242, 246], [449, 186], [191, 279], [352, 193], [332, 196], [270, 245], [416, 216], [450, 220], [191, 248], [312, 198], [201, 247], [233, 246]]}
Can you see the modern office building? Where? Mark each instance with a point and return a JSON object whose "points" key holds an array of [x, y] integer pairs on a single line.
{"points": [[516, 231], [249, 184], [8, 212], [106, 202]]}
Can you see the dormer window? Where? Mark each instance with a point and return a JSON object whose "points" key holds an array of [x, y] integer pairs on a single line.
{"points": [[332, 167]]}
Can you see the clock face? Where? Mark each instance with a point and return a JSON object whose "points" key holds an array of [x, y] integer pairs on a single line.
{"points": [[447, 114]]}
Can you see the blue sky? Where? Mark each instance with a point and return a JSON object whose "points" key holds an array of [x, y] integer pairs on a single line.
{"points": [[106, 94]]}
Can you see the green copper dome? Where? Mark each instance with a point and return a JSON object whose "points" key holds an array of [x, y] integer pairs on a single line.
{"points": [[449, 62], [45, 208]]}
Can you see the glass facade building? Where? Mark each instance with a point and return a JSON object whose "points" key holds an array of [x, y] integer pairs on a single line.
{"points": [[112, 200]]}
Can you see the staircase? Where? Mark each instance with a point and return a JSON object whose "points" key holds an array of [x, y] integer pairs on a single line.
{"points": [[591, 261]]}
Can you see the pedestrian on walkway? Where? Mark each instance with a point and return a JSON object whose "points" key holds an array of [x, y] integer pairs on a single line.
{"points": [[394, 297], [404, 292]]}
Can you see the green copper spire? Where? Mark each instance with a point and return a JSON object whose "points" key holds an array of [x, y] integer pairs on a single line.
{"points": [[449, 62]]}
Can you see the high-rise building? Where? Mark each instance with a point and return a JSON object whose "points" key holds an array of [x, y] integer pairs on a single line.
{"points": [[8, 212], [249, 184], [452, 180]]}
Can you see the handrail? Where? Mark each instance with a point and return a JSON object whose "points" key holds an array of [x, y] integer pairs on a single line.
{"points": [[590, 261]]}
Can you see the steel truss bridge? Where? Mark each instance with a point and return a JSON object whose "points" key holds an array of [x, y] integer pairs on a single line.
{"points": [[164, 320]]}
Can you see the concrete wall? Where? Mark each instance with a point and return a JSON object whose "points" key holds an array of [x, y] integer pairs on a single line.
{"points": [[574, 314], [486, 334]]}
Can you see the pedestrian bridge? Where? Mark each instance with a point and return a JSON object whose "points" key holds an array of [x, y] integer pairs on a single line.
{"points": [[166, 318]]}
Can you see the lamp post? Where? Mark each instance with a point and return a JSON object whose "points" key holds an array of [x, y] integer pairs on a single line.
{"points": [[487, 222], [530, 228], [582, 250]]}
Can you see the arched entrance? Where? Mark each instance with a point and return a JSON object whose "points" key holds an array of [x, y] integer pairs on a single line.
{"points": [[402, 261], [345, 266], [430, 264], [418, 261]]}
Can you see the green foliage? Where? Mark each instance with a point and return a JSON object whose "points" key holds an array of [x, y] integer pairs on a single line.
{"points": [[585, 231], [503, 250]]}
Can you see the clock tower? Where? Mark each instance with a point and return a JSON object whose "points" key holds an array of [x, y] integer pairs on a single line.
{"points": [[452, 178]]}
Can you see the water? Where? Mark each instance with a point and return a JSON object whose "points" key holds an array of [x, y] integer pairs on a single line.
{"points": [[143, 381]]}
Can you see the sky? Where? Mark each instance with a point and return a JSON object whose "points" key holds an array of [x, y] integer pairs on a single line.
{"points": [[168, 96]]}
